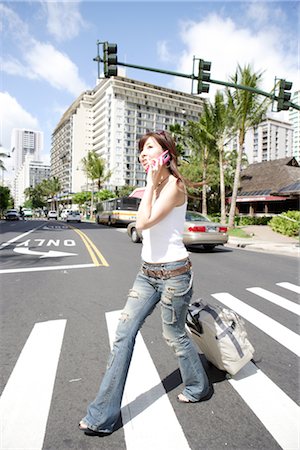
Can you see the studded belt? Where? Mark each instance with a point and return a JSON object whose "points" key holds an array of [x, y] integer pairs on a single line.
{"points": [[164, 274]]}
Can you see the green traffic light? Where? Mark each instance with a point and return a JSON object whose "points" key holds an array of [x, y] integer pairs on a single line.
{"points": [[284, 96], [110, 59], [203, 76]]}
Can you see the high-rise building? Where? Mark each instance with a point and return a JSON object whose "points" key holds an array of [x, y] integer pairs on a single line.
{"points": [[29, 175], [109, 120], [294, 118], [71, 141], [25, 142], [270, 140]]}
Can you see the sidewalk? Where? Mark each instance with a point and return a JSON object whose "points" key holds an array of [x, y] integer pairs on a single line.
{"points": [[264, 239]]}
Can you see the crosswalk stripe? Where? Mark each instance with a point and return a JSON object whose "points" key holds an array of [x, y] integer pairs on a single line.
{"points": [[276, 299], [148, 417], [290, 286], [278, 413], [275, 330], [26, 399]]}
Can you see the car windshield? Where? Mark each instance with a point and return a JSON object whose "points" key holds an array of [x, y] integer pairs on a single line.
{"points": [[194, 216]]}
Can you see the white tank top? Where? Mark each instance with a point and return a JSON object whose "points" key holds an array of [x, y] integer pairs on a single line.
{"points": [[163, 242]]}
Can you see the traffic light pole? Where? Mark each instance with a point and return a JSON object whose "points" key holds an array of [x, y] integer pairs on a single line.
{"points": [[223, 83], [273, 97]]}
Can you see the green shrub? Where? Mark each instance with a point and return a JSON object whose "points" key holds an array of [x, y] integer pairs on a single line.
{"points": [[283, 225], [248, 220]]}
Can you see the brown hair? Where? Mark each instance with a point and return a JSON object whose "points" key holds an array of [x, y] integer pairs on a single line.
{"points": [[166, 141]]}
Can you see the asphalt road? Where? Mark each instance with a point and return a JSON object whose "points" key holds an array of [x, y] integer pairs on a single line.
{"points": [[58, 285]]}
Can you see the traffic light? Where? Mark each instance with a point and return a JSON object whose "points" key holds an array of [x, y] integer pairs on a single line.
{"points": [[283, 95], [203, 75], [110, 59]]}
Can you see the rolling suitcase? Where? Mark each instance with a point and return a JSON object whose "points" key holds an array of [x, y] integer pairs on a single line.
{"points": [[220, 334]]}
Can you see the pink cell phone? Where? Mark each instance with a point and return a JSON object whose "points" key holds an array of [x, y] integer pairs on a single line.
{"points": [[162, 159]]}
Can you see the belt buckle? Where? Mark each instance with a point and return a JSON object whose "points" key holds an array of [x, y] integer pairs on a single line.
{"points": [[166, 274], [162, 274]]}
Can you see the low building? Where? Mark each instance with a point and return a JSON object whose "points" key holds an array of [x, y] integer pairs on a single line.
{"points": [[270, 187]]}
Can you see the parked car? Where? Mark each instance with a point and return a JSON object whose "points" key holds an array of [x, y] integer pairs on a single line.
{"points": [[199, 230], [73, 216], [12, 214], [52, 215]]}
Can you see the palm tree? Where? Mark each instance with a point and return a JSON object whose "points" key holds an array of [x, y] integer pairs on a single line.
{"points": [[201, 138], [223, 124], [247, 112], [52, 187], [94, 167], [2, 166], [2, 155]]}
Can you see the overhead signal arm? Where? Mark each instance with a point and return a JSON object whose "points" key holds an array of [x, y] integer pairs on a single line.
{"points": [[203, 78]]}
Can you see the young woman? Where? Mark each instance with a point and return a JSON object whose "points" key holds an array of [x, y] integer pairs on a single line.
{"points": [[165, 276]]}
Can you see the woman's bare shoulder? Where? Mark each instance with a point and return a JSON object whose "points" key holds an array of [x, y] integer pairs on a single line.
{"points": [[178, 189]]}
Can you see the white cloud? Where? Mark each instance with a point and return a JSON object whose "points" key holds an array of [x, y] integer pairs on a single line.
{"points": [[38, 60], [163, 51], [13, 66], [54, 67], [63, 19], [258, 12], [13, 115], [221, 41]]}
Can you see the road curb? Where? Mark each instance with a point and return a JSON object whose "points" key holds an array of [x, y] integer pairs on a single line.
{"points": [[268, 247]]}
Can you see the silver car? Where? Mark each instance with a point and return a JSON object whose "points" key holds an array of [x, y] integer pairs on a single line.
{"points": [[199, 230], [12, 214]]}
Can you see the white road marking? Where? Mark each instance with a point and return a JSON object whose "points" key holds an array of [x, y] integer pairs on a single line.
{"points": [[275, 330], [290, 286], [47, 254], [277, 412], [149, 419], [5, 244], [276, 299], [26, 399], [41, 269]]}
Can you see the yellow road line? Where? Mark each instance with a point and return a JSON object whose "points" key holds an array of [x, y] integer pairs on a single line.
{"points": [[92, 249]]}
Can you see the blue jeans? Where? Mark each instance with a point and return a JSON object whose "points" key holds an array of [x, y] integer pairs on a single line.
{"points": [[174, 295]]}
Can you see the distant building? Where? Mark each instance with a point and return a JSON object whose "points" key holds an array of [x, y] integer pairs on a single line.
{"points": [[271, 139], [29, 175], [71, 141], [294, 118], [270, 187], [109, 120], [25, 142]]}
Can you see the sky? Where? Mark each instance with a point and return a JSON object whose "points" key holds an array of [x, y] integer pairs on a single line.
{"points": [[47, 50]]}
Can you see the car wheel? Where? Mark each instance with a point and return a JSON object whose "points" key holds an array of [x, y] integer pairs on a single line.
{"points": [[134, 236], [208, 247]]}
